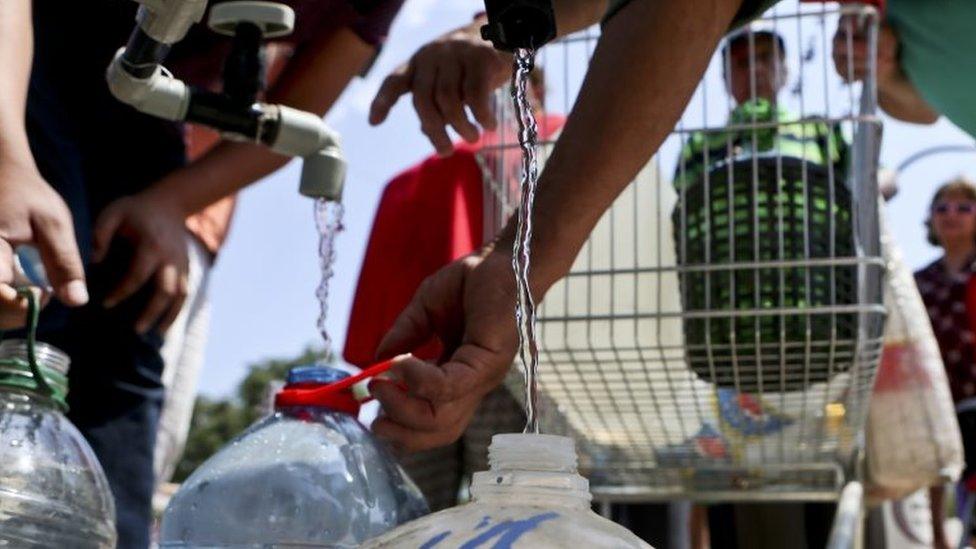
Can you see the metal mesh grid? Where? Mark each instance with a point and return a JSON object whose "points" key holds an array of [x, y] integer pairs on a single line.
{"points": [[718, 334]]}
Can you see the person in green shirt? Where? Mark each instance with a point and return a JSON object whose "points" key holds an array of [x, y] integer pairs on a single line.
{"points": [[755, 74]]}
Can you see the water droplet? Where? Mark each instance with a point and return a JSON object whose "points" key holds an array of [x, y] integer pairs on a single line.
{"points": [[15, 442]]}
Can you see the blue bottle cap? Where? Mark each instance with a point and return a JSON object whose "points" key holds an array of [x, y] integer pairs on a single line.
{"points": [[315, 374]]}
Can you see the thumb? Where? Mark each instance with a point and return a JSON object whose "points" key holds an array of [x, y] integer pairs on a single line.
{"points": [[105, 228], [395, 86], [55, 241], [411, 329]]}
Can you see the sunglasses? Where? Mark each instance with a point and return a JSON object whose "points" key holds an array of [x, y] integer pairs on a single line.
{"points": [[959, 207]]}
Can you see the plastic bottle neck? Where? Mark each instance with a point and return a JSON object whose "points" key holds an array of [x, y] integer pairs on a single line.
{"points": [[532, 470]]}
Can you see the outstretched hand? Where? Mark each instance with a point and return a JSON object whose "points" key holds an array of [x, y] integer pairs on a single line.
{"points": [[470, 306], [455, 72], [156, 230], [31, 212]]}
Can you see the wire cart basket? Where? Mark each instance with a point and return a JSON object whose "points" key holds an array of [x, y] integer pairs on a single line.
{"points": [[717, 337]]}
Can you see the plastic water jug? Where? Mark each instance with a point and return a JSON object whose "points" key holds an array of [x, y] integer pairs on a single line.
{"points": [[53, 492], [309, 475], [532, 497]]}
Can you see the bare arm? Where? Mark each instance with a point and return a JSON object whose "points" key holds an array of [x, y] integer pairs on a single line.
{"points": [[312, 81], [16, 51], [900, 98], [635, 91], [636, 88], [31, 212], [153, 221], [461, 70]]}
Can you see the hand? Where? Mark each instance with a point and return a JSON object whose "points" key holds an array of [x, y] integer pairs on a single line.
{"points": [[155, 226], [470, 306], [854, 67], [31, 212], [455, 71]]}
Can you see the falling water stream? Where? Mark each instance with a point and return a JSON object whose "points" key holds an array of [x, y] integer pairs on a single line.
{"points": [[525, 305], [328, 220]]}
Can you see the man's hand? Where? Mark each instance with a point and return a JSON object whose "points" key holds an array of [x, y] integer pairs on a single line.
{"points": [[455, 71], [31, 212], [155, 227], [470, 306], [897, 95]]}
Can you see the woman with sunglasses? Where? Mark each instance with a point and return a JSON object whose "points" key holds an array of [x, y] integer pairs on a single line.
{"points": [[944, 286]]}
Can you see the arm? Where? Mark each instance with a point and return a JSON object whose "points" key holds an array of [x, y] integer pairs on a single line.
{"points": [[30, 210], [579, 184], [636, 88], [312, 82], [460, 70], [897, 96], [154, 219]]}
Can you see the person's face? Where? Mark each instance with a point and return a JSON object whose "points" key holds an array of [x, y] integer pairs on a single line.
{"points": [[768, 65], [954, 219]]}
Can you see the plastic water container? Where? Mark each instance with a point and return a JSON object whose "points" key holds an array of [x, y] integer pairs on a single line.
{"points": [[53, 492], [309, 475], [532, 497]]}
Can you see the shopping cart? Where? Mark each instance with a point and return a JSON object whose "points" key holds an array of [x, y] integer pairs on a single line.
{"points": [[717, 337]]}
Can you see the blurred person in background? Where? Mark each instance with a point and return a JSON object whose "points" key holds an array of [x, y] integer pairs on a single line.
{"points": [[947, 288], [105, 192]]}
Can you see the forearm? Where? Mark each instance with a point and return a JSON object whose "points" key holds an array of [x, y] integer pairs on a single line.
{"points": [[635, 91], [574, 15], [900, 99], [16, 47], [223, 171], [312, 82], [571, 16]]}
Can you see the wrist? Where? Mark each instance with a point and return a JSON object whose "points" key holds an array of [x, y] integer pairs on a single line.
{"points": [[552, 252], [165, 194], [16, 152]]}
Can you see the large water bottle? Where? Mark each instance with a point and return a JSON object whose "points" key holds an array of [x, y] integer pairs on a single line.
{"points": [[532, 497], [53, 492], [308, 475]]}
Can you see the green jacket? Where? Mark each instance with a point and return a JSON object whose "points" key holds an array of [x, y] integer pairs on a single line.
{"points": [[809, 139]]}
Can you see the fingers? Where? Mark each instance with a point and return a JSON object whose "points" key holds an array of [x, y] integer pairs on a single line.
{"points": [[166, 301], [176, 305], [394, 86], [406, 440], [54, 236], [105, 228], [6, 263], [431, 122], [448, 99], [143, 266], [411, 329], [477, 93], [14, 306], [410, 411]]}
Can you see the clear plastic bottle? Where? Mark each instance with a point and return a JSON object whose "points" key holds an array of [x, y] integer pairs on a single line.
{"points": [[53, 492], [309, 475], [532, 497]]}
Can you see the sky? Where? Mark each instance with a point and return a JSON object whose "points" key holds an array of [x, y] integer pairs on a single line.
{"points": [[262, 288]]}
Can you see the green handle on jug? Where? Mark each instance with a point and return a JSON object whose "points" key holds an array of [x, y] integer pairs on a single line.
{"points": [[33, 313]]}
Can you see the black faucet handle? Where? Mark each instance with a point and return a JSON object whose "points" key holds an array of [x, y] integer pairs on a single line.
{"points": [[514, 24]]}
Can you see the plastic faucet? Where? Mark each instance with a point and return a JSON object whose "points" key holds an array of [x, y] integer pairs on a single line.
{"points": [[527, 24], [136, 77]]}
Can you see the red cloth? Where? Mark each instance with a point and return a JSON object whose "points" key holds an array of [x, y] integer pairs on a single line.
{"points": [[429, 215]]}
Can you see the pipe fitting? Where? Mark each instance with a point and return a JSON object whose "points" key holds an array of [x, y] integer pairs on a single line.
{"points": [[160, 94]]}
